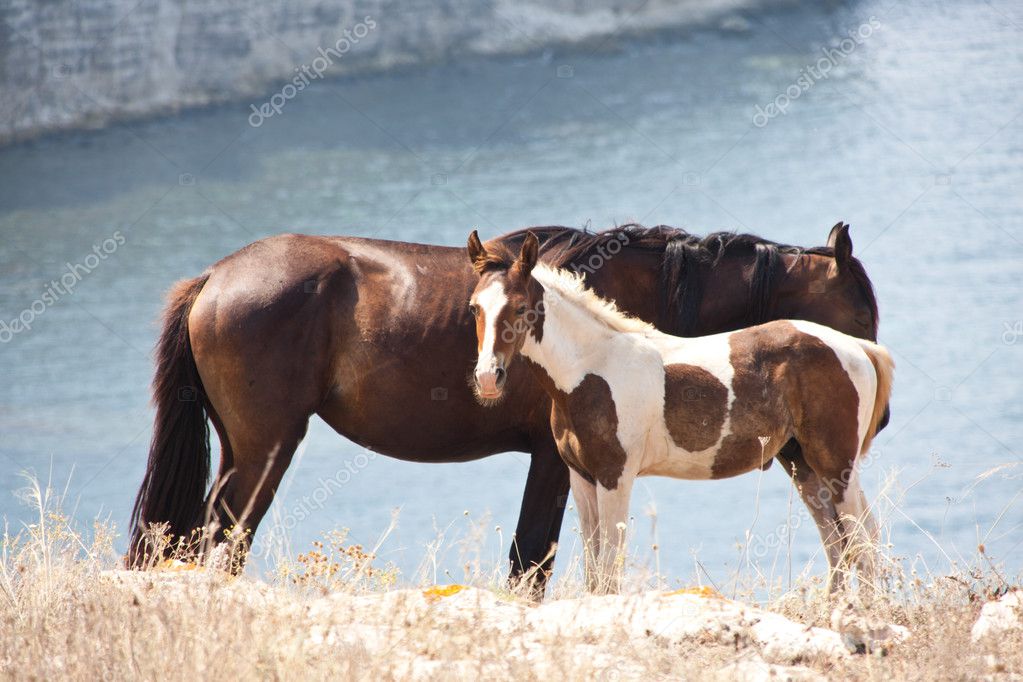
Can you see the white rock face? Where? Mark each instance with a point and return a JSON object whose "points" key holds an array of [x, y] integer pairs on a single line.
{"points": [[769, 644], [999, 617], [615, 634], [81, 63], [681, 617]]}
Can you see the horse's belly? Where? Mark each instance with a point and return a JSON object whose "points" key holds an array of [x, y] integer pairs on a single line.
{"points": [[667, 459], [734, 456], [422, 409], [678, 468]]}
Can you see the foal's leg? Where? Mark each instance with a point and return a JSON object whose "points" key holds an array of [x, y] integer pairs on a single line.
{"points": [[860, 528], [613, 508], [819, 499], [585, 495]]}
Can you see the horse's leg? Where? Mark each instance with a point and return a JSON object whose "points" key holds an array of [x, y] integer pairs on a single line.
{"points": [[833, 459], [541, 514], [819, 499], [613, 513], [242, 494], [211, 517], [862, 533], [585, 495]]}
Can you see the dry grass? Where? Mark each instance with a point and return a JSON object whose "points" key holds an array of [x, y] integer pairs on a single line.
{"points": [[333, 613]]}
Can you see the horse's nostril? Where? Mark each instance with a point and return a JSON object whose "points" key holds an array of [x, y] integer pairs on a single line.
{"points": [[500, 375]]}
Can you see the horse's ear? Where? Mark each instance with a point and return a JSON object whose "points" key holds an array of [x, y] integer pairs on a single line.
{"points": [[841, 242], [477, 252], [528, 254]]}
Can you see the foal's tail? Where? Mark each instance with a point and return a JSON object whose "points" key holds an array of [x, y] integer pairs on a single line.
{"points": [[178, 470], [884, 368]]}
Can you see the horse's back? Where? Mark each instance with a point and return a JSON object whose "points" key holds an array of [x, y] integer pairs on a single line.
{"points": [[287, 288]]}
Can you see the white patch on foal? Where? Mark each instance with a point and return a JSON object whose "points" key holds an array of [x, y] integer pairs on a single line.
{"points": [[491, 301]]}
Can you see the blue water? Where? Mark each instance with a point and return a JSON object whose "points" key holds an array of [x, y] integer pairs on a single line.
{"points": [[914, 137]]}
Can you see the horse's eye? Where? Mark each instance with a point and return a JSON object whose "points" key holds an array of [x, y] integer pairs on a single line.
{"points": [[474, 309], [521, 310]]}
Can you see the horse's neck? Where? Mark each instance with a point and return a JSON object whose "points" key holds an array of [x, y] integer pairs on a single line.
{"points": [[571, 342]]}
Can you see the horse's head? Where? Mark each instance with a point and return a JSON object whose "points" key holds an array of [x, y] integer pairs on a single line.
{"points": [[505, 307], [830, 286]]}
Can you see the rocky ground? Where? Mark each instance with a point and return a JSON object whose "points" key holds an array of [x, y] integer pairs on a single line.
{"points": [[183, 622]]}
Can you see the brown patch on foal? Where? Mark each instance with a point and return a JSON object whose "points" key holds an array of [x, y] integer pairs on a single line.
{"points": [[537, 312], [590, 408], [817, 402], [695, 406]]}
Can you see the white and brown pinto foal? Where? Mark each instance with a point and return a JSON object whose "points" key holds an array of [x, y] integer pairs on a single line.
{"points": [[629, 400]]}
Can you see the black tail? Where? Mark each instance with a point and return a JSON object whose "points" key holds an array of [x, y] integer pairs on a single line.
{"points": [[178, 470]]}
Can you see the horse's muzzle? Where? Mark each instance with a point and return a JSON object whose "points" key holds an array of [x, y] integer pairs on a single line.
{"points": [[490, 382]]}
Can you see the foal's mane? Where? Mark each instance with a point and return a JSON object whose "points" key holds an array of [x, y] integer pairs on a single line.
{"points": [[571, 287], [685, 257]]}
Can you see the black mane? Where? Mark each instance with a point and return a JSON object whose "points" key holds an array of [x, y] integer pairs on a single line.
{"points": [[685, 254]]}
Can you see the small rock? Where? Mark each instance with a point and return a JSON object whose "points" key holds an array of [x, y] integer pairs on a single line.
{"points": [[999, 617], [863, 635]]}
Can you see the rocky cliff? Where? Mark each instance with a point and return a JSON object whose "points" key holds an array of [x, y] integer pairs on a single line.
{"points": [[82, 63]]}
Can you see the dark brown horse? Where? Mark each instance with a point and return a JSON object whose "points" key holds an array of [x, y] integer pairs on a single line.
{"points": [[376, 338]]}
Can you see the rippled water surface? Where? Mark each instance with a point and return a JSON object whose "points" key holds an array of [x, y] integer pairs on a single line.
{"points": [[914, 137]]}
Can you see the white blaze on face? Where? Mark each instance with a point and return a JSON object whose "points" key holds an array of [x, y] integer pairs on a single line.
{"points": [[491, 301]]}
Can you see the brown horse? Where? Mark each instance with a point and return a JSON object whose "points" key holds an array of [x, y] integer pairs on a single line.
{"points": [[629, 400], [375, 338]]}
